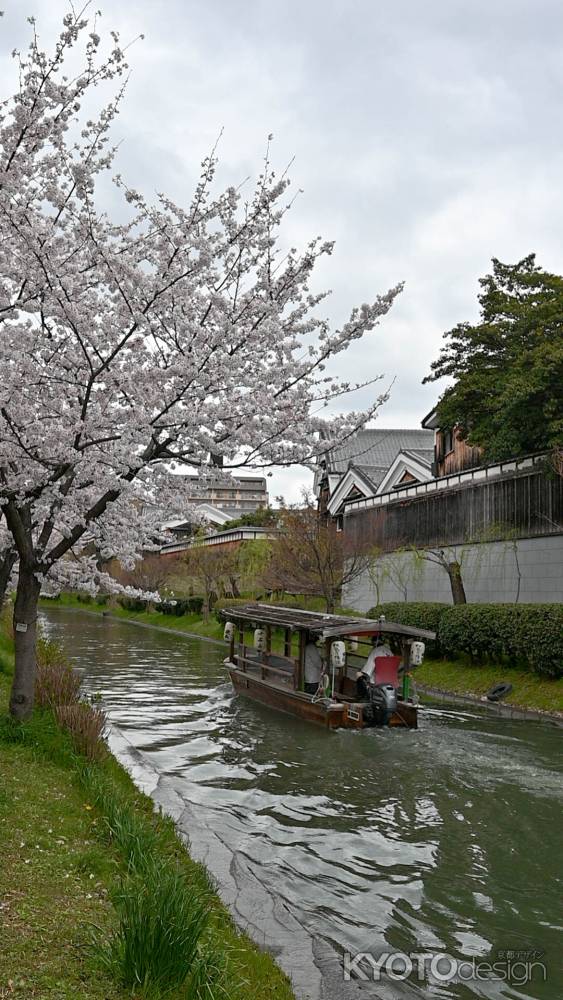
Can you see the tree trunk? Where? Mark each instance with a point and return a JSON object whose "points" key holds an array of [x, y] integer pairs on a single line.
{"points": [[456, 583], [25, 630], [330, 603], [6, 566]]}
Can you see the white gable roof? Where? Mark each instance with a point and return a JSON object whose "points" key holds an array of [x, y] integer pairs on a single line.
{"points": [[200, 512], [351, 479], [418, 468]]}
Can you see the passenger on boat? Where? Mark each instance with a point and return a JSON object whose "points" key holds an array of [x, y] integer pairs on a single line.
{"points": [[368, 674], [313, 665]]}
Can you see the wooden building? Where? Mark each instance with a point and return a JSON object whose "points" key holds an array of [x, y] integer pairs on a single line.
{"points": [[451, 451]]}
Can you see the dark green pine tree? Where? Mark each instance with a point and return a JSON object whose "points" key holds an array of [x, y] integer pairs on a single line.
{"points": [[507, 394]]}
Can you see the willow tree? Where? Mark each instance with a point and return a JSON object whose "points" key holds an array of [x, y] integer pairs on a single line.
{"points": [[129, 349]]}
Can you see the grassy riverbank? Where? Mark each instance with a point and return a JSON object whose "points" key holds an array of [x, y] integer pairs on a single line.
{"points": [[77, 843], [194, 624], [529, 690]]}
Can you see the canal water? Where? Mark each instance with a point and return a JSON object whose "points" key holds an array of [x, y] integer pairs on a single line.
{"points": [[326, 844]]}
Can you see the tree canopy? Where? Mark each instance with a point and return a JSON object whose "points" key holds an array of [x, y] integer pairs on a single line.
{"points": [[129, 348], [264, 517], [508, 368]]}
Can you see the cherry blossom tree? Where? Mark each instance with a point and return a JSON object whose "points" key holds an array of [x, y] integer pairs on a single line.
{"points": [[8, 557], [130, 349]]}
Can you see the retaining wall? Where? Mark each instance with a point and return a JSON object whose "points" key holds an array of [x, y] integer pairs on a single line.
{"points": [[529, 570]]}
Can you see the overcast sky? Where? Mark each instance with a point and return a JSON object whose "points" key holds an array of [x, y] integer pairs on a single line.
{"points": [[427, 136]]}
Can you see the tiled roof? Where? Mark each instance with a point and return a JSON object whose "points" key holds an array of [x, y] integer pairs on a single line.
{"points": [[426, 455], [372, 473], [376, 449]]}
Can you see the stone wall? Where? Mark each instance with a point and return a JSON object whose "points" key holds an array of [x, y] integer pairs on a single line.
{"points": [[529, 570]]}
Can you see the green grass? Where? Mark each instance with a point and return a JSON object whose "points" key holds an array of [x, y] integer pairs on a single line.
{"points": [[161, 939], [461, 677], [54, 878], [6, 653], [92, 883]]}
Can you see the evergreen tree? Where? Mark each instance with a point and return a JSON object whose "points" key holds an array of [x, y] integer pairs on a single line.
{"points": [[507, 395]]}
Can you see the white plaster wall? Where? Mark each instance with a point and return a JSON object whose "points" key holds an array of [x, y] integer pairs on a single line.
{"points": [[490, 573]]}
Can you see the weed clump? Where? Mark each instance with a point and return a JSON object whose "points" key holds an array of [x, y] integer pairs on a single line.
{"points": [[157, 944], [86, 725], [56, 682], [57, 687]]}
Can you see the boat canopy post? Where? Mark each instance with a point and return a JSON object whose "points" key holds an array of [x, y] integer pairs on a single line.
{"points": [[330, 669], [406, 645], [287, 643], [241, 656], [267, 650], [300, 662]]}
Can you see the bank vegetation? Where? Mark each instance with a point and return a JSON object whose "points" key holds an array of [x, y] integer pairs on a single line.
{"points": [[135, 915]]}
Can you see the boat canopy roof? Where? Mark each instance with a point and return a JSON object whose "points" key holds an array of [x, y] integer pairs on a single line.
{"points": [[323, 626]]}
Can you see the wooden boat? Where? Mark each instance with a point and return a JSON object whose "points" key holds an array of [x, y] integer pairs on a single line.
{"points": [[340, 700]]}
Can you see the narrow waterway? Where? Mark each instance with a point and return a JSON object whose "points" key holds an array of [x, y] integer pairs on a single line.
{"points": [[446, 839]]}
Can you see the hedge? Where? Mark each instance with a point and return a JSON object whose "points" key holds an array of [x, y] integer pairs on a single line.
{"points": [[531, 634], [417, 613], [132, 603], [528, 634], [183, 606]]}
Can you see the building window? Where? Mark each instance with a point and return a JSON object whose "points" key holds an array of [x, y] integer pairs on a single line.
{"points": [[448, 442]]}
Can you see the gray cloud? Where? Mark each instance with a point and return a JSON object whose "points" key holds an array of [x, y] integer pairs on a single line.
{"points": [[426, 136]]}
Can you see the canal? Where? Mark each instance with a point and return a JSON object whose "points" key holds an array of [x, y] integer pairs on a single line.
{"points": [[446, 839]]}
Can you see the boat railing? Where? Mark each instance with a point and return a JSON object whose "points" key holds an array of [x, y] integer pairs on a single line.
{"points": [[265, 668]]}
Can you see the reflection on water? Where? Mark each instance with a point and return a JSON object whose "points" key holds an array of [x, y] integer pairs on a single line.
{"points": [[442, 839]]}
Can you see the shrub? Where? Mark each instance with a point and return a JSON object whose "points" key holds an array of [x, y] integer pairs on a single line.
{"points": [[132, 603], [531, 634], [421, 614], [483, 631], [528, 634], [540, 638], [195, 605], [183, 606], [86, 725]]}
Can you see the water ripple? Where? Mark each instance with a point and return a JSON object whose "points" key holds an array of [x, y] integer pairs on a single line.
{"points": [[445, 838]]}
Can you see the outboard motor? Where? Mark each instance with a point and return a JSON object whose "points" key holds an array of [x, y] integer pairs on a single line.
{"points": [[382, 704]]}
